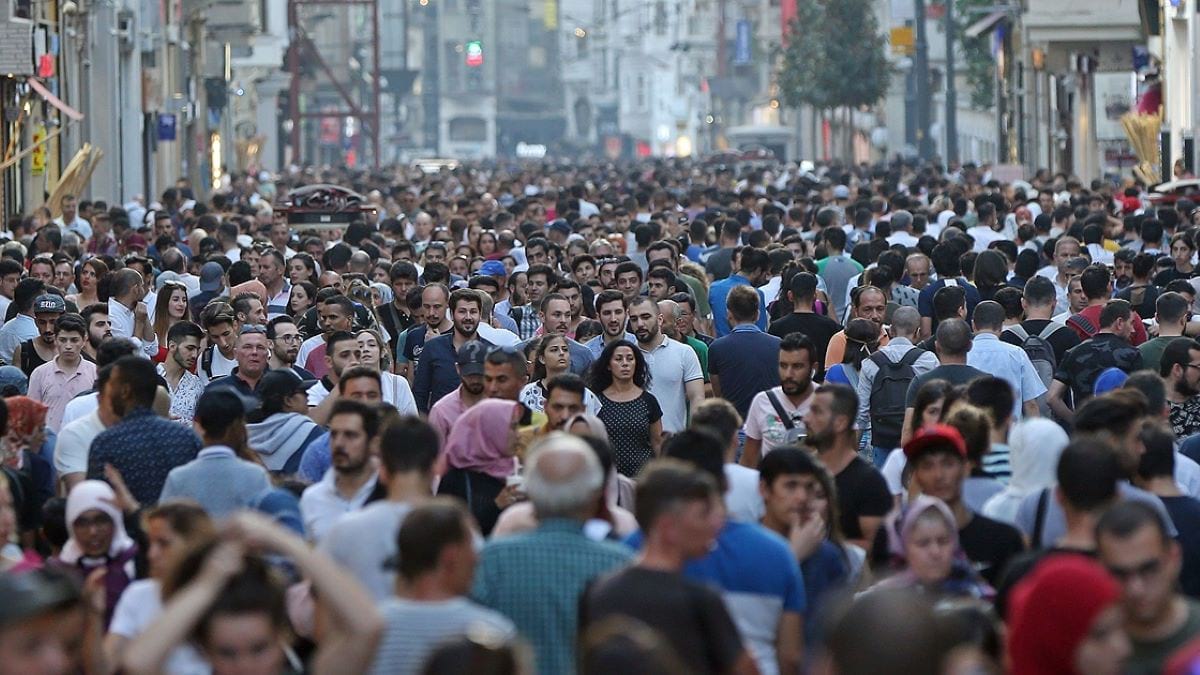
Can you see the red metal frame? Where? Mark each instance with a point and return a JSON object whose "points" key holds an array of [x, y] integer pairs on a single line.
{"points": [[368, 115]]}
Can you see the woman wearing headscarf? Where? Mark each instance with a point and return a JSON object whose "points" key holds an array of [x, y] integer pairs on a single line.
{"points": [[1065, 620], [1034, 447], [27, 456], [479, 457], [923, 539], [98, 541]]}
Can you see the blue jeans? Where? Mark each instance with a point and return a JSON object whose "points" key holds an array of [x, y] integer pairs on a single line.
{"points": [[879, 456]]}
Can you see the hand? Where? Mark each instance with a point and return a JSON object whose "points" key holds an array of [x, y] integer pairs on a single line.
{"points": [[226, 559], [254, 530], [124, 498], [511, 494], [139, 312], [94, 593], [806, 537]]}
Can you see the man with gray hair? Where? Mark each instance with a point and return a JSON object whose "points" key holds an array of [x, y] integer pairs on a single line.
{"points": [[901, 223], [884, 378], [536, 578]]}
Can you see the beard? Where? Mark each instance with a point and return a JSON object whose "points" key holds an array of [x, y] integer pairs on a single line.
{"points": [[793, 387]]}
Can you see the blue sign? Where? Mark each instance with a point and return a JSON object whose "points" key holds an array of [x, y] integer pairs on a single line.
{"points": [[741, 47], [166, 127]]}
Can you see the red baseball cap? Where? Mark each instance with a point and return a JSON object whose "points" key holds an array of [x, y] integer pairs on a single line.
{"points": [[939, 434]]}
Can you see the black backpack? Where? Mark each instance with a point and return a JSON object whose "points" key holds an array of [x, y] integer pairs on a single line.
{"points": [[889, 392]]}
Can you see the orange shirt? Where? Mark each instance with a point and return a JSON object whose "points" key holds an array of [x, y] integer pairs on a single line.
{"points": [[837, 347]]}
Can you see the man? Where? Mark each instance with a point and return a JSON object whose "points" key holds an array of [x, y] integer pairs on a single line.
{"points": [[184, 386], [868, 302], [776, 416], [271, 273], [564, 399], [985, 231], [675, 376], [68, 374], [991, 355], [938, 458], [677, 509], [357, 383], [789, 480], [1141, 292], [221, 329], [753, 268], [1171, 312], [836, 268], [536, 578], [1180, 369], [803, 319], [743, 362], [1066, 251], [341, 354], [742, 501], [863, 497], [437, 372], [883, 381], [435, 559], [952, 344], [285, 340], [395, 316], [99, 329], [610, 310], [71, 221], [1156, 475], [34, 352], [946, 263], [127, 311], [719, 263], [1038, 300], [353, 426], [505, 372], [1135, 545], [1109, 348], [628, 278], [218, 480], [447, 410], [212, 283], [671, 312], [336, 315], [434, 299], [361, 541], [21, 327], [253, 350], [540, 279], [138, 443], [10, 276], [1096, 283]]}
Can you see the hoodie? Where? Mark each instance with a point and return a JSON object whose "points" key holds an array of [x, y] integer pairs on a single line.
{"points": [[281, 439]]}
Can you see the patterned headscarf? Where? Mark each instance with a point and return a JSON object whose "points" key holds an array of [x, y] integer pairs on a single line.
{"points": [[25, 415]]}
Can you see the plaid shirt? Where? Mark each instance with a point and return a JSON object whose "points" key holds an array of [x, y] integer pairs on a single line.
{"points": [[536, 579], [529, 324]]}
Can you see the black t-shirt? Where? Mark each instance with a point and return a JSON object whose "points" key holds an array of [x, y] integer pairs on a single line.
{"points": [[1185, 513], [861, 491], [988, 544], [1061, 340], [1083, 364], [689, 616], [817, 327], [1019, 567]]}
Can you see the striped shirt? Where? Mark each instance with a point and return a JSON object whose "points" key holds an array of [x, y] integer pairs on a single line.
{"points": [[413, 629]]}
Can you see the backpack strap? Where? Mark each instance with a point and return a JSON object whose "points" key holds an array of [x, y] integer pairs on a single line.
{"points": [[1050, 329], [1019, 331], [1039, 516], [911, 357], [1083, 323], [785, 418], [206, 361]]}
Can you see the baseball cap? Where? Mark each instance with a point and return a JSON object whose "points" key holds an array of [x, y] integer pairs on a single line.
{"points": [[1108, 380], [49, 303], [29, 594], [283, 382], [135, 241], [493, 268], [163, 278], [939, 434], [210, 276], [841, 192], [224, 402], [471, 356], [188, 205], [560, 225]]}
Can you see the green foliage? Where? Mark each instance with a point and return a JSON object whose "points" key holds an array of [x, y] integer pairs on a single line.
{"points": [[836, 56], [977, 59]]}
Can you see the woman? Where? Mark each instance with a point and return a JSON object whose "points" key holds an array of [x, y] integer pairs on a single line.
{"points": [[1065, 619], [991, 273], [631, 414], [302, 267], [862, 340], [91, 273], [923, 541], [1182, 251], [551, 357], [28, 448], [302, 298], [234, 607], [1034, 447], [933, 399], [98, 541], [12, 557], [375, 354], [381, 293], [486, 245], [171, 529], [170, 308], [479, 457]]}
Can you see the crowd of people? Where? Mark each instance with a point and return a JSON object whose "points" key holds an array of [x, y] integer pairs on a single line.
{"points": [[674, 417]]}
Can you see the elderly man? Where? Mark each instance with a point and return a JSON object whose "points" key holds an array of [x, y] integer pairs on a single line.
{"points": [[536, 578]]}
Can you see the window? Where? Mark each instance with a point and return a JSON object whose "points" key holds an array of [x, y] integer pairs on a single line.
{"points": [[468, 129], [22, 9], [641, 92]]}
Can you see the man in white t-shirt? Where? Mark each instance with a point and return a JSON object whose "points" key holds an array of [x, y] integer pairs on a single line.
{"points": [[675, 376], [776, 416]]}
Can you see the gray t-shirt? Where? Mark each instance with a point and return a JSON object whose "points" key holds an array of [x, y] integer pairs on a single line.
{"points": [[1054, 524], [412, 630], [361, 541]]}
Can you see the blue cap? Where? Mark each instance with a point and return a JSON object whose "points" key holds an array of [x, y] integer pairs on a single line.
{"points": [[1109, 379], [560, 225], [493, 268]]}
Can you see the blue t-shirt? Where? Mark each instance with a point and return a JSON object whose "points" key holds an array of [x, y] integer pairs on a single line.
{"points": [[925, 299], [719, 291], [747, 362], [824, 571]]}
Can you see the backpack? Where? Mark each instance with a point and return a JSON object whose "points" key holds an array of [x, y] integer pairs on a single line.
{"points": [[1081, 324], [889, 391], [206, 362], [1041, 354]]}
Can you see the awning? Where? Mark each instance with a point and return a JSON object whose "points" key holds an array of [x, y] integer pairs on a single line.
{"points": [[54, 100], [985, 24]]}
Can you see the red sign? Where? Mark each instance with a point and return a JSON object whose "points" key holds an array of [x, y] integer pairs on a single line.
{"points": [[935, 12]]}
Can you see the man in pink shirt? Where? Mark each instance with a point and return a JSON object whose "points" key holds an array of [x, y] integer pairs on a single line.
{"points": [[59, 380], [448, 408]]}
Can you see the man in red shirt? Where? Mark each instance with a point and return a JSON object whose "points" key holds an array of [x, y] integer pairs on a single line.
{"points": [[1096, 281]]}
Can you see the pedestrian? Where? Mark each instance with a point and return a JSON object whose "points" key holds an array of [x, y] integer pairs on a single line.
{"points": [[743, 362], [67, 374], [280, 430], [674, 375], [630, 413], [479, 458], [352, 476]]}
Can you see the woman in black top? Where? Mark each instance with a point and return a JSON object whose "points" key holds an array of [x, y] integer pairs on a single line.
{"points": [[631, 414]]}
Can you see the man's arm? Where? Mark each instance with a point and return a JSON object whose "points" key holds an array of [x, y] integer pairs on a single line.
{"points": [[1058, 389], [751, 453], [789, 642], [715, 382], [1030, 408], [695, 392], [423, 381], [905, 434], [15, 360]]}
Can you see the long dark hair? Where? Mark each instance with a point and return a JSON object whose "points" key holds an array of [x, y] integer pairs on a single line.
{"points": [[601, 375]]}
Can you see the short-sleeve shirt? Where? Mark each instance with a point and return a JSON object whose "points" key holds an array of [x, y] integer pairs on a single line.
{"points": [[817, 327], [925, 300], [672, 365], [764, 424], [413, 629], [1083, 364], [861, 492], [747, 362]]}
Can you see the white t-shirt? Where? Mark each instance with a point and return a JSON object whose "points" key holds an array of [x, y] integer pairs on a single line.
{"points": [[672, 365], [221, 367], [742, 500], [74, 442], [764, 424], [80, 406], [139, 606]]}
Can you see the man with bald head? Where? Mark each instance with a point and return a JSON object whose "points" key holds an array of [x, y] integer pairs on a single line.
{"points": [[866, 302], [952, 342], [127, 311], [536, 578], [902, 361], [671, 313]]}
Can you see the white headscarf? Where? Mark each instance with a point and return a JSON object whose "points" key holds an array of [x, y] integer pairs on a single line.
{"points": [[1034, 447], [86, 496]]}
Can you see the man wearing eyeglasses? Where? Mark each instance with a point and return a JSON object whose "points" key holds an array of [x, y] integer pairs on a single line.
{"points": [[253, 352], [1180, 367]]}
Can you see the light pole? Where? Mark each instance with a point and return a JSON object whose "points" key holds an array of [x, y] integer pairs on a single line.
{"points": [[921, 75], [951, 89]]}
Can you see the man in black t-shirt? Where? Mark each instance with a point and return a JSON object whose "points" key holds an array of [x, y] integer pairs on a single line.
{"points": [[1038, 300], [938, 458], [1109, 348], [803, 319], [679, 511]]}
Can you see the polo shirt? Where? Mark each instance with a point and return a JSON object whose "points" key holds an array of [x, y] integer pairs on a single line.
{"points": [[746, 361], [597, 344], [672, 365], [277, 304], [54, 387], [925, 300], [321, 506]]}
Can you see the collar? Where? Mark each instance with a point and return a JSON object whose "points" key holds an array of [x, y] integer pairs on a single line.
{"points": [[900, 342], [215, 451], [59, 369], [739, 277], [746, 328], [560, 525], [985, 336]]}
